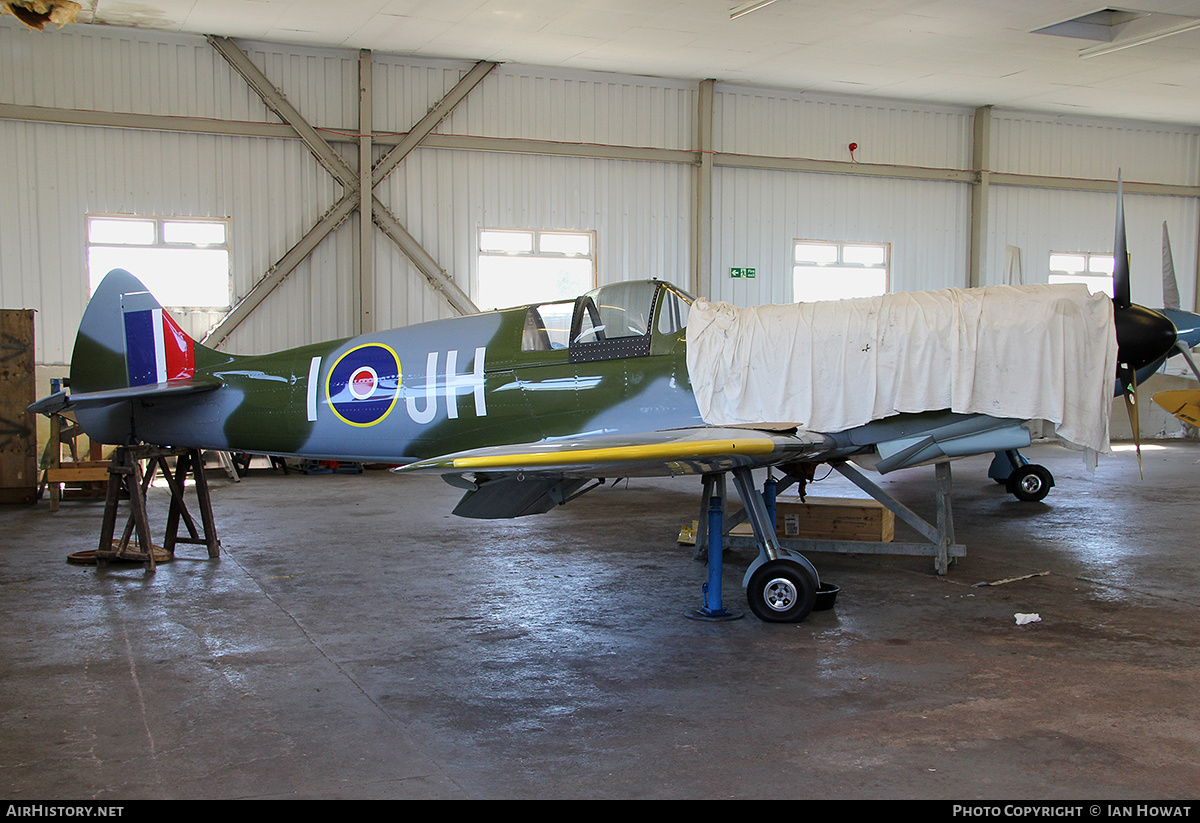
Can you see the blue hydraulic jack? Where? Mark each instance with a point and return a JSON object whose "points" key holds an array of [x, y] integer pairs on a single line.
{"points": [[781, 585], [713, 608]]}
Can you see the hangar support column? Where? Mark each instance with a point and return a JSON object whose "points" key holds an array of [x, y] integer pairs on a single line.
{"points": [[981, 158], [702, 203], [366, 231]]}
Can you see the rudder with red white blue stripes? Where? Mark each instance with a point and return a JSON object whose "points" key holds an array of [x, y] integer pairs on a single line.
{"points": [[156, 349]]}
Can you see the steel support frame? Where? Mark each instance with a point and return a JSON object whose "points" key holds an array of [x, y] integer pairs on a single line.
{"points": [[358, 191], [183, 124], [981, 156], [366, 208], [940, 545], [980, 177]]}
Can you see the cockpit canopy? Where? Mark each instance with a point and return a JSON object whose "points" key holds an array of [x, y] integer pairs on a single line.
{"points": [[617, 320]]}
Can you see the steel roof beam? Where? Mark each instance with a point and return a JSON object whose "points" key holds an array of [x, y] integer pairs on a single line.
{"points": [[276, 102]]}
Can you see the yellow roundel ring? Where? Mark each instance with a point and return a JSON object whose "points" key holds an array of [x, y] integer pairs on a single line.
{"points": [[363, 384]]}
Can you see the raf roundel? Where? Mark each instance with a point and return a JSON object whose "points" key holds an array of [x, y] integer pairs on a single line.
{"points": [[363, 384]]}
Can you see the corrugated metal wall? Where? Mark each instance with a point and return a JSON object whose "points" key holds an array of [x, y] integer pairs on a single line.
{"points": [[638, 210], [760, 214], [1024, 143], [1042, 220], [642, 210], [757, 214], [576, 107], [795, 124], [273, 190]]}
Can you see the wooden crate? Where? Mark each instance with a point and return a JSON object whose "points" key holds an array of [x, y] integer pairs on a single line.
{"points": [[18, 429], [833, 518]]}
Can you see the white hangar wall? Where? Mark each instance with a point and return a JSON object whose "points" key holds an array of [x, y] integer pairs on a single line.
{"points": [[638, 209], [272, 189], [1040, 220], [759, 212], [537, 148]]}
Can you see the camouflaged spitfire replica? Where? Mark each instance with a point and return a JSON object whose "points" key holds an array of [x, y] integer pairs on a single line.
{"points": [[523, 407]]}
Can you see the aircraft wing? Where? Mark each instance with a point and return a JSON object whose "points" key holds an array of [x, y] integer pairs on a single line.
{"points": [[694, 450], [531, 478]]}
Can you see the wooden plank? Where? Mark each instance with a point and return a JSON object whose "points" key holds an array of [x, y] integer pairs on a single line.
{"points": [[18, 430], [71, 474]]}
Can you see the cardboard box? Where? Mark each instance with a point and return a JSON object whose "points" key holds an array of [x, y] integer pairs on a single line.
{"points": [[833, 518]]}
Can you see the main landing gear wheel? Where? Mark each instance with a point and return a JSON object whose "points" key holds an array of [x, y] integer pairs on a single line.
{"points": [[781, 591], [1030, 483]]}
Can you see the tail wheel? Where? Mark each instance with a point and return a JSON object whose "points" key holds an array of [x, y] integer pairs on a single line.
{"points": [[1030, 483], [781, 591]]}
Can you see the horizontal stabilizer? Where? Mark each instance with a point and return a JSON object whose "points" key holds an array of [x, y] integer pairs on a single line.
{"points": [[63, 401]]}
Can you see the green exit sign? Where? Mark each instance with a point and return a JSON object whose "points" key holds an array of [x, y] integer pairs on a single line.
{"points": [[742, 271]]}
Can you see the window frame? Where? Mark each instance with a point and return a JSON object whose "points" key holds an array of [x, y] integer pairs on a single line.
{"points": [[535, 253], [840, 263], [160, 243], [1088, 275]]}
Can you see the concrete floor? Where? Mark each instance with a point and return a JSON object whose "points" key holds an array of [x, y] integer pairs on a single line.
{"points": [[355, 640]]}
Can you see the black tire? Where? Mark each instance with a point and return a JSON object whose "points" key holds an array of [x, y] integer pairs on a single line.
{"points": [[781, 591], [1030, 483]]}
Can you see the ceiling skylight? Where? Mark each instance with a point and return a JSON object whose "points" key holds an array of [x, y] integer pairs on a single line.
{"points": [[1116, 29]]}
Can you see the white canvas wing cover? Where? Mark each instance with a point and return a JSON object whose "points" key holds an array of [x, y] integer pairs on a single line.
{"points": [[1036, 352]]}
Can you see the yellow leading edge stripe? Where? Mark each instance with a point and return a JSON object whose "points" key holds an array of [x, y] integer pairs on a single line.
{"points": [[681, 450]]}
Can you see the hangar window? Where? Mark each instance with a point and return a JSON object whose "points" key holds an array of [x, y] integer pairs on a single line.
{"points": [[183, 261], [519, 266], [826, 270], [1093, 270]]}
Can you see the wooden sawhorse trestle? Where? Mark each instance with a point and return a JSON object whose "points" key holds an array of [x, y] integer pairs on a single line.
{"points": [[126, 479]]}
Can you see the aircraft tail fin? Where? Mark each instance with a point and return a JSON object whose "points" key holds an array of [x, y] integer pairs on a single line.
{"points": [[156, 349], [1169, 284], [128, 341], [128, 348]]}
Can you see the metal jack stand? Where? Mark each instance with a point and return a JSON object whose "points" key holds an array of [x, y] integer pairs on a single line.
{"points": [[127, 478], [712, 517]]}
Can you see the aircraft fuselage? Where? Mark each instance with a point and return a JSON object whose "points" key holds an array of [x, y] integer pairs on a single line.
{"points": [[432, 388]]}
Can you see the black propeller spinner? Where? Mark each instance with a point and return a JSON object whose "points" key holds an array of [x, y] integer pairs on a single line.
{"points": [[1143, 335]]}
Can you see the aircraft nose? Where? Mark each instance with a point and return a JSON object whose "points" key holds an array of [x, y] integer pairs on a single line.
{"points": [[1187, 326], [1143, 335]]}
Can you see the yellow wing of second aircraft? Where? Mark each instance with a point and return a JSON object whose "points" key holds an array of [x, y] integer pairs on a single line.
{"points": [[662, 453], [1183, 403]]}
